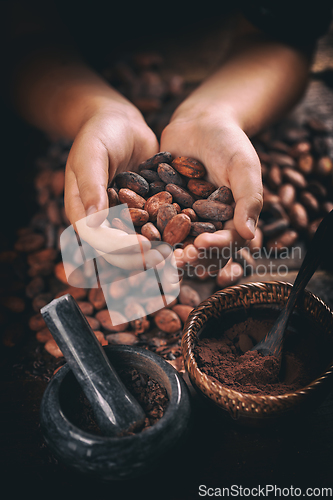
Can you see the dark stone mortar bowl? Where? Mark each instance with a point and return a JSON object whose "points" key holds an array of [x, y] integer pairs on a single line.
{"points": [[110, 458]]}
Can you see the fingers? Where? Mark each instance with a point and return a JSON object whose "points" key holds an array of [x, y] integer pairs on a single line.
{"points": [[230, 274], [246, 186]]}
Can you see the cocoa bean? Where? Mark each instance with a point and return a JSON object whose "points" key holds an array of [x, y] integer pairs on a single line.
{"points": [[201, 188], [313, 227], [169, 175], [134, 310], [153, 162], [164, 215], [285, 240], [52, 347], [295, 178], [189, 240], [150, 175], [113, 197], [182, 311], [100, 337], [96, 298], [180, 195], [223, 194], [274, 177], [189, 167], [309, 201], [118, 289], [41, 300], [133, 181], [124, 338], [167, 321], [201, 227], [298, 216], [150, 232], [324, 166], [287, 195], [213, 210], [327, 207], [275, 228], [283, 160], [37, 322], [132, 199], [153, 203], [93, 322], [156, 187], [300, 148], [44, 335], [86, 307], [53, 212], [191, 213], [305, 164], [177, 207], [104, 319], [188, 296], [135, 215], [76, 293], [177, 229], [217, 224]]}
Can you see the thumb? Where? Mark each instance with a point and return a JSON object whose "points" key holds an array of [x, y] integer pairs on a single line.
{"points": [[89, 163], [246, 186]]}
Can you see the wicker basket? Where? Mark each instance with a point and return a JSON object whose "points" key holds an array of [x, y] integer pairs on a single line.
{"points": [[248, 408]]}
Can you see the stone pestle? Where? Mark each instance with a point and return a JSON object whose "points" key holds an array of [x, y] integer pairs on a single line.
{"points": [[115, 409]]}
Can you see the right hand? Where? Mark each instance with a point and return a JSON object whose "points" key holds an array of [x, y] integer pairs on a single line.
{"points": [[112, 139]]}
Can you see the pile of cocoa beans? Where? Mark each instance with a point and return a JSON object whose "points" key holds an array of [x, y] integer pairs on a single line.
{"points": [[170, 201], [297, 176], [297, 172]]}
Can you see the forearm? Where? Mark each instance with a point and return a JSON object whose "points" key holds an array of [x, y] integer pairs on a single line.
{"points": [[57, 92], [259, 81]]}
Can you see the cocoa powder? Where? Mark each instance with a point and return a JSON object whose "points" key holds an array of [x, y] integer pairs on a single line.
{"points": [[229, 360]]}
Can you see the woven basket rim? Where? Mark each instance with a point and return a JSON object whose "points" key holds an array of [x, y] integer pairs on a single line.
{"points": [[216, 386]]}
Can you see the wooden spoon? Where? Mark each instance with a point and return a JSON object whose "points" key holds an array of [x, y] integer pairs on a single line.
{"points": [[321, 244]]}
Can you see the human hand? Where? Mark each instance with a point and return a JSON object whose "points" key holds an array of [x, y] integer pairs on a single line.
{"points": [[230, 159], [113, 138]]}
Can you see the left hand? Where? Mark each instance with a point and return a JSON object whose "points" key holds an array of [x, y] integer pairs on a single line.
{"points": [[230, 160]]}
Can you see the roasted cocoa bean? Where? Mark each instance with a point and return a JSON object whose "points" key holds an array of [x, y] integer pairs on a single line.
{"points": [[133, 181], [156, 187], [180, 195], [153, 203], [300, 148], [285, 240], [274, 177], [96, 298], [104, 319], [188, 296], [135, 215], [201, 227], [298, 216], [309, 201], [283, 160], [213, 210], [317, 189], [287, 195], [164, 215], [189, 167], [201, 188], [29, 242], [117, 223], [132, 199], [150, 175], [167, 321], [182, 311], [295, 178], [150, 232], [177, 207], [153, 162], [113, 197], [305, 164], [275, 228], [191, 213], [177, 229], [324, 166], [169, 175], [223, 195]]}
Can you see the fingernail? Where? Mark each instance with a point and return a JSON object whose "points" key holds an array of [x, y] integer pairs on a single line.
{"points": [[91, 210], [89, 219], [251, 224]]}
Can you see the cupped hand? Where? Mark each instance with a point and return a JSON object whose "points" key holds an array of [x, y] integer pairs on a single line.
{"points": [[113, 139], [230, 159]]}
